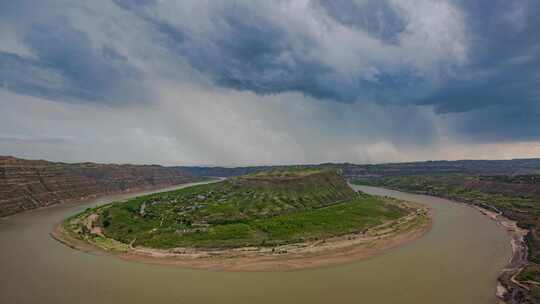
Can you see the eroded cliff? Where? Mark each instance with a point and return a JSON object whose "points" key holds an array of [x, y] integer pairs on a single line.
{"points": [[30, 184]]}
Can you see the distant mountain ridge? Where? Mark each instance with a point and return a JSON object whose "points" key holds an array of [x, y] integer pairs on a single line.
{"points": [[30, 184], [352, 171]]}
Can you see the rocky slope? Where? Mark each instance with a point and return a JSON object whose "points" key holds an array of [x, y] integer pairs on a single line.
{"points": [[30, 184]]}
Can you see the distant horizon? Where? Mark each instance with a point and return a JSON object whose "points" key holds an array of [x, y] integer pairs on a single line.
{"points": [[265, 165], [236, 83]]}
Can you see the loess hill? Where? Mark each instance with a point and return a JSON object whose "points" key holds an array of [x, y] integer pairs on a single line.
{"points": [[260, 209], [30, 184]]}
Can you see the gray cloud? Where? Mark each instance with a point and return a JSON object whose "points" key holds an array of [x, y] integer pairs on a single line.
{"points": [[377, 18], [66, 65], [281, 80], [314, 49], [130, 4], [496, 95]]}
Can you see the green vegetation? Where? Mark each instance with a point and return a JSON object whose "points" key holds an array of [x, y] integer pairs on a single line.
{"points": [[491, 191], [261, 209], [76, 227], [530, 273]]}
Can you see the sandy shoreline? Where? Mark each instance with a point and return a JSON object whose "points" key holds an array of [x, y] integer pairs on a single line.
{"points": [[336, 250], [507, 285], [517, 261]]}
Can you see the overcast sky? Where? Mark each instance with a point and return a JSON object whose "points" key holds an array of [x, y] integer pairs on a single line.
{"points": [[269, 82]]}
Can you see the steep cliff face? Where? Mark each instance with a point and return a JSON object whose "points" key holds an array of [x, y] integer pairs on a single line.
{"points": [[29, 184]]}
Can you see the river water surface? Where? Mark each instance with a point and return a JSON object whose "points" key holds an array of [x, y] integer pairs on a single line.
{"points": [[458, 261]]}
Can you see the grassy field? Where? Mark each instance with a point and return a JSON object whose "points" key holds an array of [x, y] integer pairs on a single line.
{"points": [[262, 209]]}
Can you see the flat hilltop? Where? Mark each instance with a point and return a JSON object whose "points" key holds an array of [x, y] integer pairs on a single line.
{"points": [[263, 209]]}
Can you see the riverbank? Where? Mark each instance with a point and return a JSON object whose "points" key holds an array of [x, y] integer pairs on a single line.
{"points": [[515, 197], [311, 254], [128, 193], [508, 290], [507, 280]]}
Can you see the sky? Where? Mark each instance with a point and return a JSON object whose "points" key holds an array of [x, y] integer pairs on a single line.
{"points": [[251, 82]]}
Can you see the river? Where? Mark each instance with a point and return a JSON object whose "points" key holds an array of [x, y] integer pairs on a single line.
{"points": [[458, 261]]}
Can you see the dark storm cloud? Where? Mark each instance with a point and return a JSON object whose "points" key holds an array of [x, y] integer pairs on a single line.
{"points": [[476, 63], [244, 46], [247, 53], [65, 65], [498, 93], [493, 124], [129, 4], [29, 76], [504, 66], [378, 18], [245, 49]]}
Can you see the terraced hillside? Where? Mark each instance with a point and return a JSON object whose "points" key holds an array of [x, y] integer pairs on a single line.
{"points": [[30, 184], [261, 209]]}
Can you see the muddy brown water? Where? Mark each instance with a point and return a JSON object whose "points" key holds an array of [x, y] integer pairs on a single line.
{"points": [[456, 262]]}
